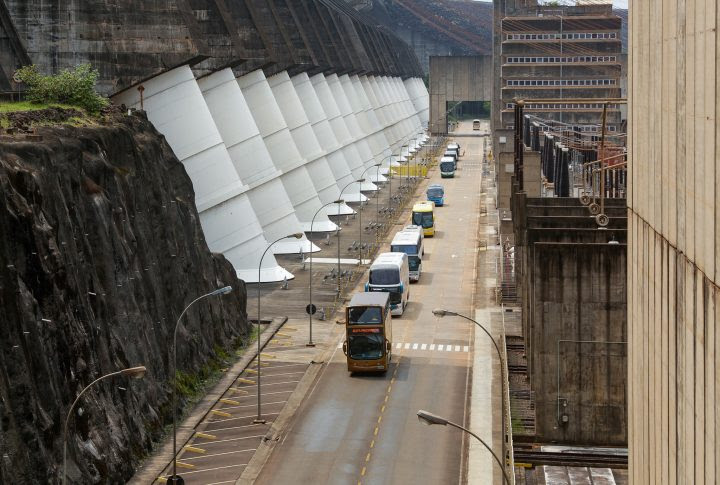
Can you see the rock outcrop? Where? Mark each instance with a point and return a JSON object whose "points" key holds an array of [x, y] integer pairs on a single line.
{"points": [[100, 250]]}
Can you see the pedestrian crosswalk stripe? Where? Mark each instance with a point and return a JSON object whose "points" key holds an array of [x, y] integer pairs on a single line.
{"points": [[426, 347]]}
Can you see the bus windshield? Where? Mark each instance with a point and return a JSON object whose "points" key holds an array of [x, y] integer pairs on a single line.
{"points": [[364, 315], [413, 263], [444, 167], [366, 346], [437, 192], [402, 248], [384, 276], [424, 219]]}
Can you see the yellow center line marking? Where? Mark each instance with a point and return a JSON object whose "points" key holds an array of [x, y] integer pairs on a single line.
{"points": [[382, 409], [386, 397], [362, 473], [372, 444], [367, 458], [379, 419], [376, 431]]}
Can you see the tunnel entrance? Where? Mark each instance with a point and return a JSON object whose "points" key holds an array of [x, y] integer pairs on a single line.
{"points": [[459, 89]]}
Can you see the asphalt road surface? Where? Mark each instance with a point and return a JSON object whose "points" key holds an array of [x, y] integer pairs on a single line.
{"points": [[363, 429]]}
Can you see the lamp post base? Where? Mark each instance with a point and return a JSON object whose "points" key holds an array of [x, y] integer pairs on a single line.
{"points": [[310, 344], [259, 421]]}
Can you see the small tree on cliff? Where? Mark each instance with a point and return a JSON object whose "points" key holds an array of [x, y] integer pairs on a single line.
{"points": [[71, 86]]}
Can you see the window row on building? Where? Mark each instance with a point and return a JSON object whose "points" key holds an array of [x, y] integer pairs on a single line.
{"points": [[560, 106], [551, 60], [561, 82], [578, 128], [563, 36]]}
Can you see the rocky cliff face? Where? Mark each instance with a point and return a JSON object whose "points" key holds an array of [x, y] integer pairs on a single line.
{"points": [[100, 250]]}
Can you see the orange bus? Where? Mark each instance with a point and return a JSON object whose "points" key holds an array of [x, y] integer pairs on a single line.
{"points": [[368, 332]]}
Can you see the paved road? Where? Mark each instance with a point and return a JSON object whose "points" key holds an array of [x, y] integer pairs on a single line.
{"points": [[363, 429]]}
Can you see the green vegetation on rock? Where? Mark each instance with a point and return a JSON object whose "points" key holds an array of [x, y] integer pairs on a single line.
{"points": [[74, 87]]}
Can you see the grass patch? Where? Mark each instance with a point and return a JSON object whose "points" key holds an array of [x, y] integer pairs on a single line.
{"points": [[17, 106]]}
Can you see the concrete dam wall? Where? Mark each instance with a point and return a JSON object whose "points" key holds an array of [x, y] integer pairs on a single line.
{"points": [[272, 106]]}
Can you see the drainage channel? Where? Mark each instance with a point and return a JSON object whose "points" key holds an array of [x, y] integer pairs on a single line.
{"points": [[226, 439]]}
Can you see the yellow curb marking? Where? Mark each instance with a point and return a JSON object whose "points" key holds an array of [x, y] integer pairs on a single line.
{"points": [[231, 402], [195, 449], [245, 381], [206, 436], [221, 413]]}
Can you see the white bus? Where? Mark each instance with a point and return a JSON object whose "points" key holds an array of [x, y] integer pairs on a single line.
{"points": [[389, 272], [410, 243], [476, 124], [417, 230]]}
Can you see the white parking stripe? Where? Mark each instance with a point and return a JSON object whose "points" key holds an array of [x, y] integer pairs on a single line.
{"points": [[440, 347], [415, 346], [448, 348], [407, 346], [432, 346], [398, 345], [457, 348], [423, 347], [466, 349]]}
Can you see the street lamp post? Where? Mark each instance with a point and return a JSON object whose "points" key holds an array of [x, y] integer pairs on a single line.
{"points": [[361, 209], [135, 372], [358, 181], [297, 235], [389, 178], [430, 419], [438, 312], [219, 291], [377, 204], [310, 307]]}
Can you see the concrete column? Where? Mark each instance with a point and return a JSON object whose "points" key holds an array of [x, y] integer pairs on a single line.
{"points": [[337, 159], [175, 105], [369, 122], [354, 96], [299, 179], [320, 172], [350, 136], [271, 198]]}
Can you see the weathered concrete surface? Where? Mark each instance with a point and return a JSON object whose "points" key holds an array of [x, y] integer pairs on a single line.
{"points": [[97, 228], [674, 243], [131, 41], [572, 285], [461, 78]]}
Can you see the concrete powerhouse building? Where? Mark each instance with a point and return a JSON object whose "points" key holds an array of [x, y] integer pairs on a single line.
{"points": [[674, 243], [561, 52]]}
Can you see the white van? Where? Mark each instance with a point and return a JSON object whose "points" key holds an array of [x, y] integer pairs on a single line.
{"points": [[410, 243], [390, 272]]}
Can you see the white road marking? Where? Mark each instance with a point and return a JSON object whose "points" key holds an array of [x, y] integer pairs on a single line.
{"points": [[440, 347], [466, 349], [432, 346], [423, 347], [415, 346], [457, 348], [398, 345], [407, 346]]}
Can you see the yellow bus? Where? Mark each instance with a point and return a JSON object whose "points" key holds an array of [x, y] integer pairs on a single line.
{"points": [[422, 215], [368, 332]]}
